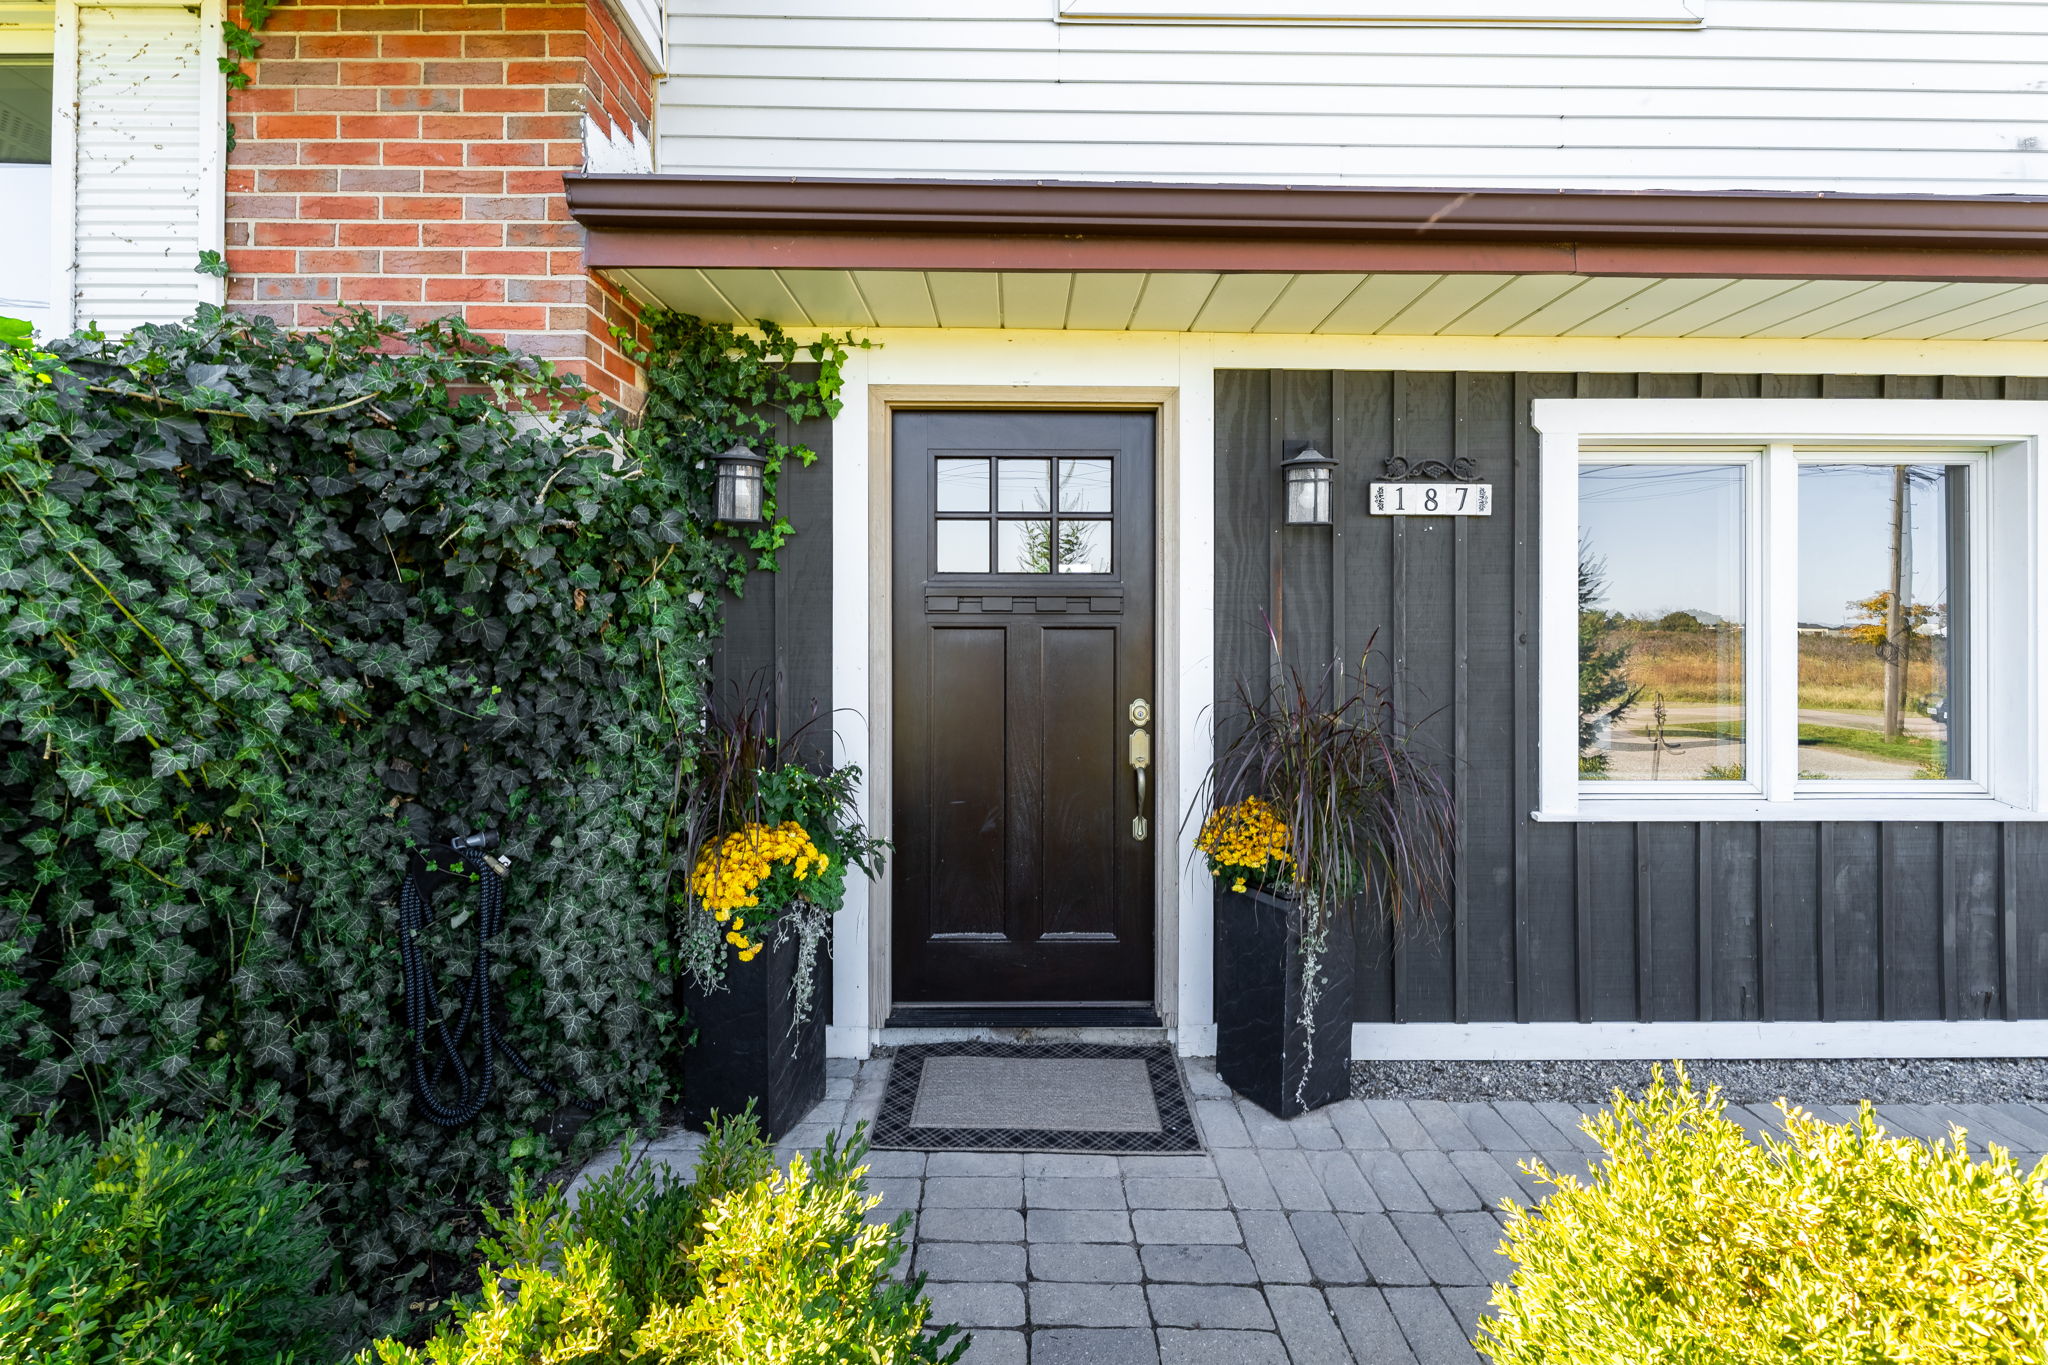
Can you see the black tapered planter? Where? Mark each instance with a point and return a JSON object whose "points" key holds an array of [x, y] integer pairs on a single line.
{"points": [[1262, 1049], [745, 1046]]}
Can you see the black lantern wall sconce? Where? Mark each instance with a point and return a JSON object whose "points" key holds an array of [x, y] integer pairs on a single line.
{"points": [[1307, 475], [742, 487]]}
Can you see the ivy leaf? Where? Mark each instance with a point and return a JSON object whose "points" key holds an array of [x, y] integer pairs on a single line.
{"points": [[121, 842]]}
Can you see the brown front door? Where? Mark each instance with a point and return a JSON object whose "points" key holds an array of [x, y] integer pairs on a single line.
{"points": [[1023, 590]]}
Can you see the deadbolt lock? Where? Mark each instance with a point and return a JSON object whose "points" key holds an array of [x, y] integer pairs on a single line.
{"points": [[1141, 712]]}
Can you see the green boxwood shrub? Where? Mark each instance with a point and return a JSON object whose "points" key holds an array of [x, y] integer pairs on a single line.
{"points": [[1836, 1243], [181, 1245], [741, 1265]]}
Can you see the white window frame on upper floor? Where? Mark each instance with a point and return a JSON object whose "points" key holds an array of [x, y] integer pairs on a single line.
{"points": [[1483, 13], [2007, 573]]}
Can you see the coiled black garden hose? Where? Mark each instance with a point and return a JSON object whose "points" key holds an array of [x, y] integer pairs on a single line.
{"points": [[472, 1087]]}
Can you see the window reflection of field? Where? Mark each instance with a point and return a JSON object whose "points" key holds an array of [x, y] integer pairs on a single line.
{"points": [[1841, 710]]}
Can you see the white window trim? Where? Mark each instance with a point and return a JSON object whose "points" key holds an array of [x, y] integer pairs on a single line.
{"points": [[2008, 586], [1396, 13]]}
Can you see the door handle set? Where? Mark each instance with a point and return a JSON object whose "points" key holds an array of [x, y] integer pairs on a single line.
{"points": [[1141, 760]]}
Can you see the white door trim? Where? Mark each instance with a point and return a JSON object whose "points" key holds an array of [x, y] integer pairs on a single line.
{"points": [[869, 944]]}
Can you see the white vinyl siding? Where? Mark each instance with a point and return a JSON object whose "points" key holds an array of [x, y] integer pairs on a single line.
{"points": [[149, 134], [1890, 96]]}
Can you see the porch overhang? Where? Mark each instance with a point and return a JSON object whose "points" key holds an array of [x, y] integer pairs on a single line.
{"points": [[860, 252]]}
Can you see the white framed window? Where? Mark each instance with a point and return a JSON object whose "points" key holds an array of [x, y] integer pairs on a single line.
{"points": [[28, 100], [1408, 13], [1791, 609]]}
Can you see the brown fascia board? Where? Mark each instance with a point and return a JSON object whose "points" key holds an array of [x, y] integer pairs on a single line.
{"points": [[1091, 210]]}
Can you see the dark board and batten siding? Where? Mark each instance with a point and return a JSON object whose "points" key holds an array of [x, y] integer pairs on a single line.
{"points": [[1589, 921], [778, 631]]}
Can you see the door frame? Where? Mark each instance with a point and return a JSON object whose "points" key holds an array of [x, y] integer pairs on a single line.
{"points": [[1162, 401]]}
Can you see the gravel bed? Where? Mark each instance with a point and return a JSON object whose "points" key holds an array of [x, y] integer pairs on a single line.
{"points": [[1972, 1080]]}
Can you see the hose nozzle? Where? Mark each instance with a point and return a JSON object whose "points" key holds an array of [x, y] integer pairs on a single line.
{"points": [[481, 841]]}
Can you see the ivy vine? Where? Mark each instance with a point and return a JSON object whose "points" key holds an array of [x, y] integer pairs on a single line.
{"points": [[241, 40], [277, 607]]}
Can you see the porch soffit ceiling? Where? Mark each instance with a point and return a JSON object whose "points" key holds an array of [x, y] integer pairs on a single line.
{"points": [[1339, 261]]}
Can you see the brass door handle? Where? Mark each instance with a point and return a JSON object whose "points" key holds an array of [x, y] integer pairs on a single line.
{"points": [[1141, 759]]}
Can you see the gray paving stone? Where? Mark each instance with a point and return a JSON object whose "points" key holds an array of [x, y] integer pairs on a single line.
{"points": [[1222, 1125], [1492, 1131], [1331, 1257], [1198, 1265], [1393, 1182], [1399, 1124], [1313, 1132], [1190, 1165], [838, 1087], [1440, 1180], [1216, 1226], [1178, 1346], [899, 1195], [1569, 1163], [1201, 1080], [1064, 1304], [973, 1163], [1174, 1192], [1293, 1180], [998, 1348], [1072, 1192], [971, 1261], [1432, 1332], [1491, 1176], [1266, 1130], [1355, 1126], [895, 1164], [1269, 1237], [1337, 1172], [1481, 1236], [1446, 1130], [1244, 1178], [1565, 1118], [1387, 1258], [1094, 1346], [1534, 1189], [1219, 1307], [1069, 1164], [1369, 1326], [1437, 1247], [1079, 1225], [1306, 1326], [973, 1192], [1468, 1306], [1087, 1262], [973, 1225], [977, 1305], [841, 1066], [1527, 1120]]}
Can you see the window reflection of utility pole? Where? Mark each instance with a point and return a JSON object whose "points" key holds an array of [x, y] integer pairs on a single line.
{"points": [[1896, 617]]}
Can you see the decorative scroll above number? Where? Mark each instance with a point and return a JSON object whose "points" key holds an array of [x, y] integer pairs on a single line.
{"points": [[1461, 467]]}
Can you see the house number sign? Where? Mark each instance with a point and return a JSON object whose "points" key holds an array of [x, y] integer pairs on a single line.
{"points": [[1432, 500]]}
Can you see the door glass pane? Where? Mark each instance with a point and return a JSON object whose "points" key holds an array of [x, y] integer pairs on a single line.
{"points": [[963, 547], [1084, 546], [1661, 622], [1024, 547], [1084, 485], [963, 485], [1024, 486], [1880, 644]]}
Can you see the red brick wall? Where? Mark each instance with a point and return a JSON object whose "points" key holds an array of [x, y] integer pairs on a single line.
{"points": [[409, 158]]}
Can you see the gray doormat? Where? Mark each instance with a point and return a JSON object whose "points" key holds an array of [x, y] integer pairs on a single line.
{"points": [[1028, 1097]]}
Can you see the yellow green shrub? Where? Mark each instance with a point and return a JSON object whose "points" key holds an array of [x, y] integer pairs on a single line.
{"points": [[745, 1264], [1836, 1243]]}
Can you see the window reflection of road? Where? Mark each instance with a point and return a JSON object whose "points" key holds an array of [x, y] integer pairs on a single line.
{"points": [[1694, 751]]}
